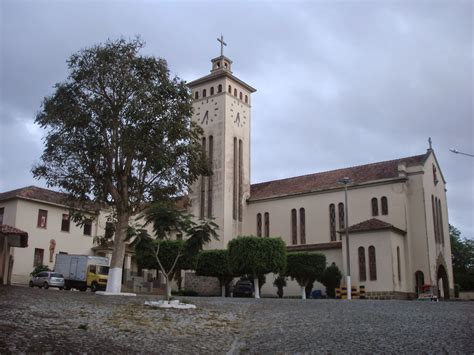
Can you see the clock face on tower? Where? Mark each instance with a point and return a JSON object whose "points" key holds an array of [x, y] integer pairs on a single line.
{"points": [[207, 112], [238, 113]]}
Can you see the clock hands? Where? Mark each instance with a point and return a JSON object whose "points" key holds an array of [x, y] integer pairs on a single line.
{"points": [[205, 118]]}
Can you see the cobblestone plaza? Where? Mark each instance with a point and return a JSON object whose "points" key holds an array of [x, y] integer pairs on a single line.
{"points": [[38, 320]]}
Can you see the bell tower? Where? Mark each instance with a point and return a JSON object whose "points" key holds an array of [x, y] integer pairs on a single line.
{"points": [[222, 107]]}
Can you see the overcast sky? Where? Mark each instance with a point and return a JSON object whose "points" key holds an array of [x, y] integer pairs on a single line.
{"points": [[339, 83]]}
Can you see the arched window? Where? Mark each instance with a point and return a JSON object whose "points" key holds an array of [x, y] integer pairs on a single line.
{"points": [[219, 88], [435, 218], [375, 207], [229, 89], [241, 95], [196, 95], [435, 176], [235, 92], [246, 99], [384, 203], [362, 266], [441, 227], [342, 225], [204, 94], [332, 222], [302, 226], [212, 90], [267, 225], [398, 265], [294, 236], [259, 224], [372, 264]]}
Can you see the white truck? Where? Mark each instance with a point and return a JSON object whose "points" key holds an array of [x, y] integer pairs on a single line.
{"points": [[83, 271]]}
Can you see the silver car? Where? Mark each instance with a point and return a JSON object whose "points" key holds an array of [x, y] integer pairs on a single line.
{"points": [[47, 279]]}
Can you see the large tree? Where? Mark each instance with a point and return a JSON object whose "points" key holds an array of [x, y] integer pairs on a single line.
{"points": [[463, 259], [305, 268], [119, 132]]}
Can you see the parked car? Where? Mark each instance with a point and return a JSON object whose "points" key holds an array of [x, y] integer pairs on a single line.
{"points": [[243, 288], [47, 279]]}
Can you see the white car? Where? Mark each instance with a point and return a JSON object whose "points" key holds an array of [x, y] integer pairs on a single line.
{"points": [[47, 279]]}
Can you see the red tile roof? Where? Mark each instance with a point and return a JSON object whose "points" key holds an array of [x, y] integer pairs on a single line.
{"points": [[45, 195], [326, 180], [9, 230], [373, 224]]}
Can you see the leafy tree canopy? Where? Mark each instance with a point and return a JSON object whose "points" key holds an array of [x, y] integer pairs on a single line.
{"points": [[463, 259], [305, 267], [215, 263]]}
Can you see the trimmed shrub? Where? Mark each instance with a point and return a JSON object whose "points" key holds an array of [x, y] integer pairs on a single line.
{"points": [[305, 268], [215, 263], [331, 279]]}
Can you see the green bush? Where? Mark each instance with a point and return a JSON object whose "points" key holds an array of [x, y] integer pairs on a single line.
{"points": [[305, 267], [280, 283], [215, 263], [331, 279], [39, 269]]}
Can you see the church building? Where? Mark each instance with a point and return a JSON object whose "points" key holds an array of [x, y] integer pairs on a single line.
{"points": [[397, 209]]}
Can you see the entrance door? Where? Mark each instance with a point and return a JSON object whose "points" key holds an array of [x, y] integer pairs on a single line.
{"points": [[443, 285]]}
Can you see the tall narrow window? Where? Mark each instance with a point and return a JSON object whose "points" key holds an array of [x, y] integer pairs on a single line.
{"points": [[241, 192], [267, 224], [362, 265], [302, 226], [219, 88], [235, 190], [440, 218], [229, 89], [38, 257], [235, 92], [384, 203], [332, 222], [210, 177], [88, 227], [435, 176], [398, 265], [342, 220], [2, 212], [212, 90], [259, 224], [241, 95], [42, 219], [204, 94], [202, 201], [375, 207], [372, 264], [294, 234], [246, 99], [65, 222], [435, 218], [196, 95]]}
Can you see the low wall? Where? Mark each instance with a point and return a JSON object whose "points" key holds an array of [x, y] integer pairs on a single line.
{"points": [[203, 285], [466, 295]]}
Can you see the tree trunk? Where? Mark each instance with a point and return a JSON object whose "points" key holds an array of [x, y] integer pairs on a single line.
{"points": [[114, 282], [222, 290], [168, 289], [303, 292], [257, 290]]}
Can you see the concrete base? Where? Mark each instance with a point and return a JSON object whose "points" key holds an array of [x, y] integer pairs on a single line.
{"points": [[105, 293]]}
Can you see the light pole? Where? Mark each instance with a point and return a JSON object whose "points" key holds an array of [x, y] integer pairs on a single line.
{"points": [[346, 181], [458, 152]]}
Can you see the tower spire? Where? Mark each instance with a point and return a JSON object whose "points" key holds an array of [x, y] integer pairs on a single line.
{"points": [[221, 40]]}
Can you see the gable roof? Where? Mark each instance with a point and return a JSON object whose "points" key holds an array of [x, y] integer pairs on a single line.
{"points": [[44, 195], [327, 180], [371, 225]]}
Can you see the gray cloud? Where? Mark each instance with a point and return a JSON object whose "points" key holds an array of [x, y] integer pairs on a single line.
{"points": [[339, 83]]}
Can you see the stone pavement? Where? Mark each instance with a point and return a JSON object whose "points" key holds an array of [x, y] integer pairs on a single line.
{"points": [[38, 320]]}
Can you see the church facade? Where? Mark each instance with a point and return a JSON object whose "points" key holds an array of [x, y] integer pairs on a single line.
{"points": [[397, 210]]}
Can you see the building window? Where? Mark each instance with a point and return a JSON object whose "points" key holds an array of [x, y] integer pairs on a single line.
{"points": [[302, 226], [241, 96], [229, 89], [435, 218], [372, 264], [384, 203], [65, 222], [203, 186], [38, 257], [219, 88], [259, 224], [235, 92], [294, 234], [332, 222], [342, 225], [196, 95], [375, 207], [204, 93], [241, 177], [435, 175], [398, 265], [266, 232], [235, 186], [209, 178], [212, 90], [88, 227], [2, 212], [362, 266], [42, 218], [441, 227], [246, 99]]}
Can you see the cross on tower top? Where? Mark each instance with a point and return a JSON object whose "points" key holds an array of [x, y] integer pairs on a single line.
{"points": [[221, 40]]}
